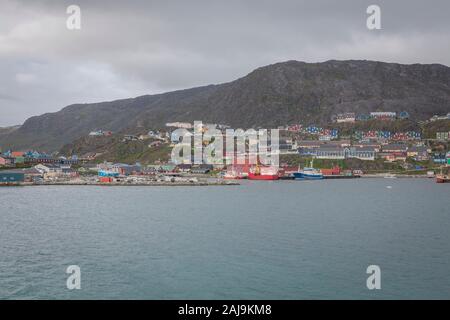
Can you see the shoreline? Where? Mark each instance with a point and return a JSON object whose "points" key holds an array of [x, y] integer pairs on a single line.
{"points": [[201, 184], [155, 184], [394, 176]]}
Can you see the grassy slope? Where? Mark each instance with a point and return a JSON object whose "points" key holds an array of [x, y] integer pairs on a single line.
{"points": [[113, 149]]}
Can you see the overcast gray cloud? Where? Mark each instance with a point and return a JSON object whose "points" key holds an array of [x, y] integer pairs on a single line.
{"points": [[129, 48]]}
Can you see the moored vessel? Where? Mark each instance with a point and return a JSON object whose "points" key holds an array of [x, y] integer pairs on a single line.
{"points": [[441, 178], [234, 175], [263, 173], [308, 173]]}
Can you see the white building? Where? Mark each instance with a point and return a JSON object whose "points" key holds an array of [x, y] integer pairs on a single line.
{"points": [[339, 153], [183, 125], [52, 170], [383, 115], [345, 117]]}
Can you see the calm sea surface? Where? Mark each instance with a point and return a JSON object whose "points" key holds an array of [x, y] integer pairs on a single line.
{"points": [[260, 240]]}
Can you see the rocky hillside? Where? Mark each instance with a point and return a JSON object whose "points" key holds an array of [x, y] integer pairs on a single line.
{"points": [[8, 130], [113, 148], [277, 94]]}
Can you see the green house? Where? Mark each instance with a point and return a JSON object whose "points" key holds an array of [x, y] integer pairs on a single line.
{"points": [[168, 167], [19, 160]]}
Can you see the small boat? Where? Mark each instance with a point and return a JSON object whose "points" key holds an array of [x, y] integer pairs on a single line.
{"points": [[441, 178], [263, 173], [234, 175], [308, 173]]}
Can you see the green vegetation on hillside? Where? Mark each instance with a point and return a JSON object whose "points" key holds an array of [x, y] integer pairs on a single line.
{"points": [[115, 149], [133, 152], [430, 128]]}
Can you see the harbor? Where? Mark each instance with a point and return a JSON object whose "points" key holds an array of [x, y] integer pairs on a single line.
{"points": [[116, 174], [303, 152], [224, 159], [33, 177], [186, 242]]}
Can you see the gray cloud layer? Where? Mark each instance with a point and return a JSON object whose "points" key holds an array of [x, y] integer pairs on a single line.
{"points": [[129, 48]]}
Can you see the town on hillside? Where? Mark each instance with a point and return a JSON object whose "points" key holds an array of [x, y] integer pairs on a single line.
{"points": [[348, 147]]}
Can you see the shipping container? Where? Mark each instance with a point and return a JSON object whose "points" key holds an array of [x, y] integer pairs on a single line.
{"points": [[105, 179], [330, 172]]}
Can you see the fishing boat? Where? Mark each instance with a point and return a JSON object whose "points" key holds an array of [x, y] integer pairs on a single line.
{"points": [[308, 173], [441, 178], [263, 173]]}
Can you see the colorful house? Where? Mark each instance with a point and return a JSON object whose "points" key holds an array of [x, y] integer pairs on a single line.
{"points": [[419, 153], [184, 167], [126, 169], [443, 135], [362, 117], [202, 169], [395, 148], [440, 158], [110, 174], [19, 160], [17, 154], [167, 168], [394, 152], [403, 115], [5, 161], [346, 117], [383, 115], [339, 153]]}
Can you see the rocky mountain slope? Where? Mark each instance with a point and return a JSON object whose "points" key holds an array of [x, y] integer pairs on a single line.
{"points": [[287, 92]]}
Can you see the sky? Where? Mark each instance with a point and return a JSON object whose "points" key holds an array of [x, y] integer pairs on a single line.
{"points": [[130, 48]]}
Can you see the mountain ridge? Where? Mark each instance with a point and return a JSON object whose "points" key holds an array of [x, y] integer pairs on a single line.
{"points": [[272, 95]]}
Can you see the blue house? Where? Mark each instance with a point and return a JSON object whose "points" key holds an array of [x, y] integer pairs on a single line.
{"points": [[403, 115], [439, 158]]}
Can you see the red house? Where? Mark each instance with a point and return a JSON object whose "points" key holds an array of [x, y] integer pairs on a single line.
{"points": [[17, 154]]}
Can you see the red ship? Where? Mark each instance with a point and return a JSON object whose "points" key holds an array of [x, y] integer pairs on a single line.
{"points": [[263, 173]]}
